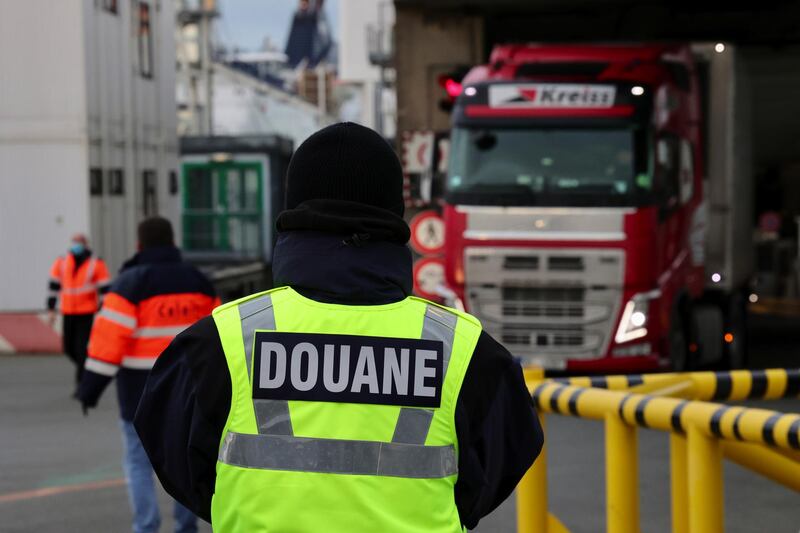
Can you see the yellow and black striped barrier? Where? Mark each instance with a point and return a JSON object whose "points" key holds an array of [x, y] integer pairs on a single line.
{"points": [[701, 432], [736, 385], [758, 426]]}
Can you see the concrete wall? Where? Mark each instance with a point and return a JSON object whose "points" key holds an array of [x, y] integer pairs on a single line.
{"points": [[43, 143], [426, 46]]}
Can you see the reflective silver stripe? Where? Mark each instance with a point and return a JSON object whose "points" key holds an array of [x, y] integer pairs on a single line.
{"points": [[412, 426], [272, 417], [101, 367], [331, 456], [139, 363], [117, 317], [255, 314], [90, 271], [155, 333], [440, 325], [83, 289], [88, 284]]}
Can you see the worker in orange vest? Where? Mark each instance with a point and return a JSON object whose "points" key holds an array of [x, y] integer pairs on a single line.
{"points": [[79, 280]]}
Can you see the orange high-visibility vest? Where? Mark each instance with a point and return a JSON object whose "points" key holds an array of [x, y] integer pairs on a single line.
{"points": [[79, 286]]}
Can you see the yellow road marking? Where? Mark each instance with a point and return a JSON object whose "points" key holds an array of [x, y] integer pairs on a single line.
{"points": [[62, 489]]}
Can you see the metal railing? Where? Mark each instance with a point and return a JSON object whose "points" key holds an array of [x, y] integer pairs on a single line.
{"points": [[701, 433]]}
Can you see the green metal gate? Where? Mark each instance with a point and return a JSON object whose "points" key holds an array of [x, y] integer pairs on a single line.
{"points": [[223, 207]]}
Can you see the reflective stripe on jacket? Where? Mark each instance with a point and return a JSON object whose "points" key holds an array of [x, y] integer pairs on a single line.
{"points": [[78, 287], [316, 443]]}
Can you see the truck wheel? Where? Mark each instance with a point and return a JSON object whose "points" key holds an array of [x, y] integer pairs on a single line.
{"points": [[708, 325], [679, 355], [735, 354]]}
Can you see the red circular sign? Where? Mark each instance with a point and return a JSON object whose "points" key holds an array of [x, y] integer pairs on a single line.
{"points": [[428, 275], [427, 233]]}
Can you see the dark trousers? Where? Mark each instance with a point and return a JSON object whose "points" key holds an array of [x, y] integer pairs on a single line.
{"points": [[76, 340]]}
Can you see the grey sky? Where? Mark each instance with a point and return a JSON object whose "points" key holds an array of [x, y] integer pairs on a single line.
{"points": [[245, 23]]}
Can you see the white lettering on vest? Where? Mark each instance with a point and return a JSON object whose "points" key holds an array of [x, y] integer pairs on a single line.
{"points": [[327, 367], [395, 371], [308, 349], [366, 371], [265, 379], [422, 371]]}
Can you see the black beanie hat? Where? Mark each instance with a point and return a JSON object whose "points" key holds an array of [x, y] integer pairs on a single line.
{"points": [[347, 162]]}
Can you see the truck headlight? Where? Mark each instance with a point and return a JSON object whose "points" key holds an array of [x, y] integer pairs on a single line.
{"points": [[633, 324]]}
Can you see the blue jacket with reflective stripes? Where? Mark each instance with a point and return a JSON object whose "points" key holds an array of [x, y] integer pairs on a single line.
{"points": [[151, 273]]}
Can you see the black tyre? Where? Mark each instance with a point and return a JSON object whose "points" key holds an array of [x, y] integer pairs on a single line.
{"points": [[735, 348], [681, 358]]}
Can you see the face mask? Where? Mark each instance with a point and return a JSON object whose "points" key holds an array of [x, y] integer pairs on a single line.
{"points": [[77, 248]]}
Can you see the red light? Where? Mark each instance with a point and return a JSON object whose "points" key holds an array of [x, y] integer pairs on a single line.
{"points": [[729, 338], [452, 87]]}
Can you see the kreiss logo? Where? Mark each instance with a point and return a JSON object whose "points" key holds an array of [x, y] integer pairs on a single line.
{"points": [[551, 95]]}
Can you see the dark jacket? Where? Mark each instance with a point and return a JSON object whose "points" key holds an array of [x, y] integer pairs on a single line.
{"points": [[187, 399], [155, 288]]}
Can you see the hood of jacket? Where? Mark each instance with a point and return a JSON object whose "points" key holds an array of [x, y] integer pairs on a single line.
{"points": [[332, 268]]}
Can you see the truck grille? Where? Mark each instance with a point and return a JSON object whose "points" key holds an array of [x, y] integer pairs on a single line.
{"points": [[521, 262], [565, 263], [554, 302], [547, 305], [525, 336], [545, 294]]}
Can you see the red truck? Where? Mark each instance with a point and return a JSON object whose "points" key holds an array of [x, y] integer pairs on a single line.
{"points": [[597, 205]]}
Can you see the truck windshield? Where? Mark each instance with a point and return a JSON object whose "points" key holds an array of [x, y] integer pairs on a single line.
{"points": [[552, 167]]}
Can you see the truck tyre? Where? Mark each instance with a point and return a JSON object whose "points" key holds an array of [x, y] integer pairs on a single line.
{"points": [[735, 351], [709, 325], [680, 357]]}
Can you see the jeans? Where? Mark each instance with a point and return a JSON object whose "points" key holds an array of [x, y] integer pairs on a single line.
{"points": [[141, 489]]}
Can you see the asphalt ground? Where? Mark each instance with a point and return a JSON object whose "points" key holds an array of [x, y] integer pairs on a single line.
{"points": [[61, 471]]}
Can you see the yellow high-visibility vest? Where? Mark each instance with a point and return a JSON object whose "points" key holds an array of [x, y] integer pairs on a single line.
{"points": [[342, 417]]}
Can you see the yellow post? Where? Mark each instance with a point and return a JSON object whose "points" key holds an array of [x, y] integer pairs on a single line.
{"points": [[706, 507], [622, 476], [764, 461], [679, 482], [532, 495]]}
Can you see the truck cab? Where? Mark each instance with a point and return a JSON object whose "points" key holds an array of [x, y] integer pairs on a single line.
{"points": [[574, 203]]}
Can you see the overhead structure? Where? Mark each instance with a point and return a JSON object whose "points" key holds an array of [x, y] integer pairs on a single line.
{"points": [[195, 87]]}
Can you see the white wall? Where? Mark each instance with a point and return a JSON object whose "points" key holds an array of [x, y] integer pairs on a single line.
{"points": [[43, 143], [355, 16], [132, 121], [71, 98]]}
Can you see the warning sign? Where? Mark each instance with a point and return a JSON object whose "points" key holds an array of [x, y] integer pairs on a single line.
{"points": [[418, 151], [428, 276], [427, 233]]}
